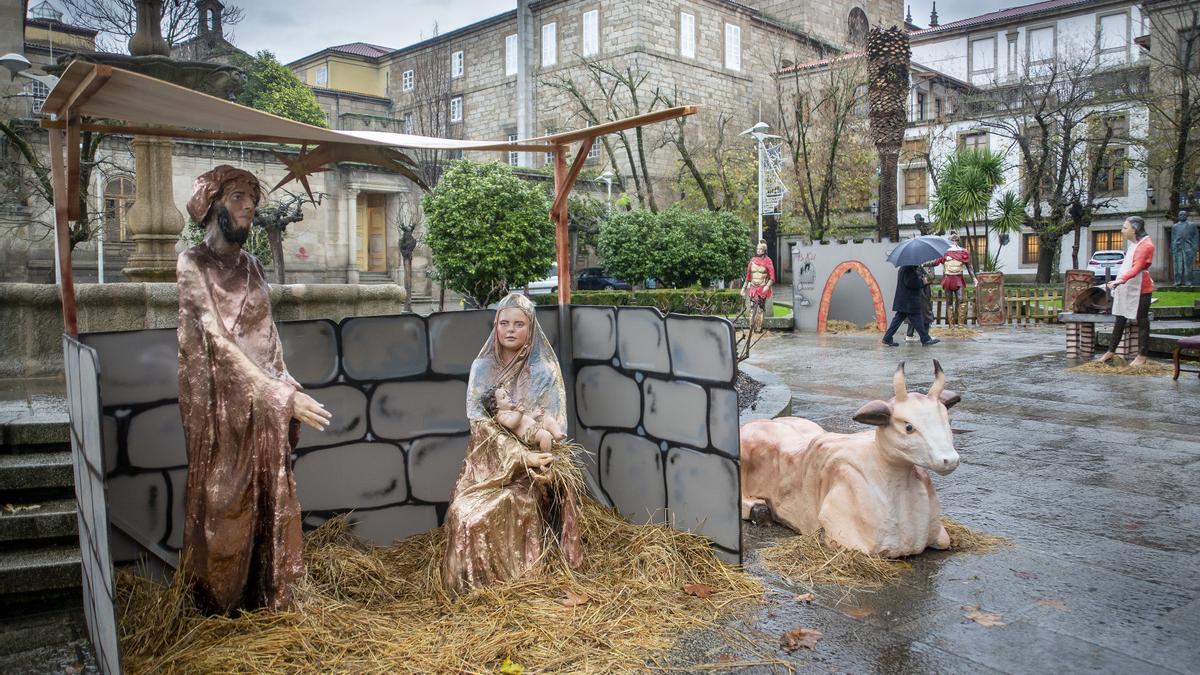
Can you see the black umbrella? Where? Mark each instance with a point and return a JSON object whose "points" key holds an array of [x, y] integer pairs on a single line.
{"points": [[919, 250]]}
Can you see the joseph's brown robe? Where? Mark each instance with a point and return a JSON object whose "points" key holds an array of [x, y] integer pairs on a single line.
{"points": [[242, 533]]}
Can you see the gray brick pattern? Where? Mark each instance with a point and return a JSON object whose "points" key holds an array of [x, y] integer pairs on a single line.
{"points": [[656, 409], [83, 396]]}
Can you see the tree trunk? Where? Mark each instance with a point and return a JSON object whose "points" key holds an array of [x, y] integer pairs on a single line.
{"points": [[275, 240], [1047, 252], [888, 225], [408, 277]]}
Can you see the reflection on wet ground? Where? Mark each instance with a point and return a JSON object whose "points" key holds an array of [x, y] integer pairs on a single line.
{"points": [[1095, 479]]}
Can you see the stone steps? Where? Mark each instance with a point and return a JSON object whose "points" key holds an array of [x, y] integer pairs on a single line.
{"points": [[42, 567], [33, 520], [27, 471]]}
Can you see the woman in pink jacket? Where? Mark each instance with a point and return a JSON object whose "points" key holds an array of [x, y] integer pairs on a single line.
{"points": [[1132, 290]]}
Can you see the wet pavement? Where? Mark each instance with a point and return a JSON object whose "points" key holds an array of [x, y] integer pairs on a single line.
{"points": [[1094, 479]]}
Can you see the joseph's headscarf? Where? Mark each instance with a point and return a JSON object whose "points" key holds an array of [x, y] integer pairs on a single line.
{"points": [[210, 184]]}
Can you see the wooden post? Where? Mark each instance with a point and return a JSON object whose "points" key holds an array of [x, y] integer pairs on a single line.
{"points": [[58, 181], [559, 215]]}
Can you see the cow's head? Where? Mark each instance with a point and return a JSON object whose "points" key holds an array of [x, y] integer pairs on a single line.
{"points": [[915, 427]]}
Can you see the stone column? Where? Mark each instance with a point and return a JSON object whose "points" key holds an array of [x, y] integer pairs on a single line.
{"points": [[352, 233], [153, 220], [395, 265]]}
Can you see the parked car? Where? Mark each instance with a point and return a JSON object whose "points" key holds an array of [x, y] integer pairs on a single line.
{"points": [[596, 279], [1104, 264], [547, 285]]}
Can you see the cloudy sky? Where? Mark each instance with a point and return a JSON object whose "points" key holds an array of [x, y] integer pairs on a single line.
{"points": [[295, 28]]}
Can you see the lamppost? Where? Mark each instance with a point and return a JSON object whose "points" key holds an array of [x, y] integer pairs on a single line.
{"points": [[759, 133], [608, 177]]}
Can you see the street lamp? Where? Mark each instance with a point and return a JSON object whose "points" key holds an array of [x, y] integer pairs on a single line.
{"points": [[608, 177], [17, 65], [1150, 194], [759, 133]]}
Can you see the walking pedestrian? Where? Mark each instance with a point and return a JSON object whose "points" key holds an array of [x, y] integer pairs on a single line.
{"points": [[908, 306]]}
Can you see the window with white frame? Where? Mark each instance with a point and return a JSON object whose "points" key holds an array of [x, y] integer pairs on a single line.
{"points": [[549, 155], [321, 78], [594, 151], [733, 47], [1039, 45], [1014, 65], [406, 80], [687, 35], [983, 60], [510, 55], [1113, 40], [591, 32], [37, 95], [408, 123], [456, 113], [514, 157], [549, 44], [456, 64]]}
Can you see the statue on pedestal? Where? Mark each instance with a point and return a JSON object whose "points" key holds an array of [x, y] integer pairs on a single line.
{"points": [[760, 276], [241, 411], [956, 261], [1183, 250]]}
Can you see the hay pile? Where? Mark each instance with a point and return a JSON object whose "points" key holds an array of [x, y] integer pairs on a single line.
{"points": [[382, 609], [1119, 366], [849, 327], [955, 333], [806, 560]]}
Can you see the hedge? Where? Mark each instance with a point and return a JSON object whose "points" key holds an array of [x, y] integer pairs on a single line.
{"points": [[708, 301]]}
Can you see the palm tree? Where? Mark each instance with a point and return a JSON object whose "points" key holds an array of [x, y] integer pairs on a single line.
{"points": [[888, 53], [964, 199]]}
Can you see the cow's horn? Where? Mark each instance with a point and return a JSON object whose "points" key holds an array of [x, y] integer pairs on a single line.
{"points": [[939, 381], [898, 383]]}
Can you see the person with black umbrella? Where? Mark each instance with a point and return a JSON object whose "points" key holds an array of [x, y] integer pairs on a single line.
{"points": [[907, 306]]}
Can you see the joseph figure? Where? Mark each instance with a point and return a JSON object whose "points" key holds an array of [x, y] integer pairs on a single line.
{"points": [[241, 411]]}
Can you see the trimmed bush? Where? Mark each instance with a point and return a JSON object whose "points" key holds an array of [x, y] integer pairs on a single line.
{"points": [[678, 300]]}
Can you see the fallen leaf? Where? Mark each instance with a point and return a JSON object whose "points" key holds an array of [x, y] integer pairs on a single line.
{"points": [[859, 612], [982, 618], [573, 599], [805, 597], [510, 668], [698, 590], [726, 658], [9, 508], [1021, 574], [800, 638], [1052, 603]]}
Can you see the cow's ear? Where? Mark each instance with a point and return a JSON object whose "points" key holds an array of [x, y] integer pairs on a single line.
{"points": [[875, 413], [949, 398]]}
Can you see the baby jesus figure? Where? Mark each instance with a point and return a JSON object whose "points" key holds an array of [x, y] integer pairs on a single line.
{"points": [[497, 403]]}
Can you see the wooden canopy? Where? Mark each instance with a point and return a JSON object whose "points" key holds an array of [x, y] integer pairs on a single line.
{"points": [[136, 104]]}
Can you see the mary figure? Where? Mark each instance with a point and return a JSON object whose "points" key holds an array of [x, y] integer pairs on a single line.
{"points": [[505, 519]]}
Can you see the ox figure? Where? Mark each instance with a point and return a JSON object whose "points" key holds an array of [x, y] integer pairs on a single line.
{"points": [[868, 491]]}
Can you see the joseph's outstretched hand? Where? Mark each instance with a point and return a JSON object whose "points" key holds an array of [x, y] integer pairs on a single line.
{"points": [[306, 409]]}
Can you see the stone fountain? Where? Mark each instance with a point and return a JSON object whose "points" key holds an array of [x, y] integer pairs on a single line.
{"points": [[153, 220]]}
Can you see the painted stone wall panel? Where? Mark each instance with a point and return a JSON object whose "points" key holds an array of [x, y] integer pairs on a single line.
{"points": [[310, 351], [434, 464], [402, 410], [675, 411], [156, 438], [455, 339], [606, 398], [723, 421], [138, 366], [361, 475], [594, 332], [348, 406], [631, 472], [701, 348], [642, 340], [384, 347], [699, 488]]}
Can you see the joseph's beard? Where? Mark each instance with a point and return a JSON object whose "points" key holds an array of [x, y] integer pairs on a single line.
{"points": [[229, 229]]}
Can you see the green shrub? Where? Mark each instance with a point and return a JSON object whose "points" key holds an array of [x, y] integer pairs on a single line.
{"points": [[679, 248], [678, 300]]}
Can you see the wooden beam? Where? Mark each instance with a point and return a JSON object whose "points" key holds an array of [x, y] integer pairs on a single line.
{"points": [[561, 189], [561, 195], [73, 169], [58, 181], [87, 88], [621, 125], [197, 134]]}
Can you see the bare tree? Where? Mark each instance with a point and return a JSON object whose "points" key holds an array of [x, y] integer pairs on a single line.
{"points": [[607, 92], [427, 112], [274, 218], [1045, 113], [819, 116], [1174, 99], [117, 20], [1100, 168]]}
